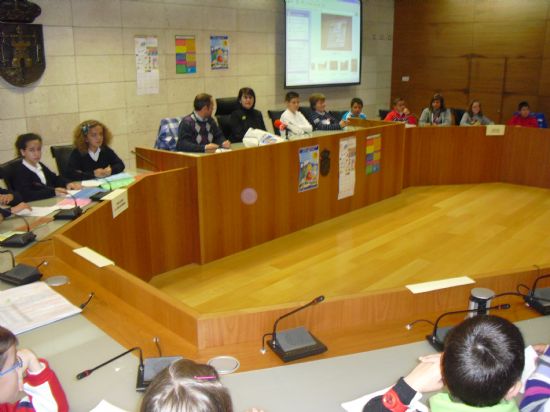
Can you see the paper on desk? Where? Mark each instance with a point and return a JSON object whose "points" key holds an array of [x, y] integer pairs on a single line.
{"points": [[439, 284], [5, 235], [93, 256], [90, 183], [113, 194], [99, 182], [69, 203], [105, 406], [38, 211], [30, 306]]}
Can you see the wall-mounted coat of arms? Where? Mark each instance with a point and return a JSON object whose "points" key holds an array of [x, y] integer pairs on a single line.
{"points": [[22, 59]]}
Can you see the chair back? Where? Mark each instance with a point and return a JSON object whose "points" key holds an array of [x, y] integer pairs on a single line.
{"points": [[458, 113], [7, 172], [224, 107], [167, 138], [382, 113], [61, 154]]}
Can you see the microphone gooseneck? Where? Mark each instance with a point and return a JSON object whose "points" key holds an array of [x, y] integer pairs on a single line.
{"points": [[88, 372]]}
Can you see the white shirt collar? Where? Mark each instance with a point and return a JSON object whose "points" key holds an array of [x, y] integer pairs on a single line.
{"points": [[95, 156]]}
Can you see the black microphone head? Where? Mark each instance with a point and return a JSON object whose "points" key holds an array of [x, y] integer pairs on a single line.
{"points": [[505, 306], [319, 299], [83, 374]]}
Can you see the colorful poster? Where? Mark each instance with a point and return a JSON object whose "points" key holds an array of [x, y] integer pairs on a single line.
{"points": [[309, 168], [219, 52], [346, 176], [186, 55], [147, 65], [373, 153]]}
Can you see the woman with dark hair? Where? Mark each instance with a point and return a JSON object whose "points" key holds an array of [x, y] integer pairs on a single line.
{"points": [[436, 114], [474, 116], [246, 116]]}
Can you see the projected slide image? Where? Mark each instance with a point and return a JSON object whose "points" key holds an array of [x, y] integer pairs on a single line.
{"points": [[336, 32]]}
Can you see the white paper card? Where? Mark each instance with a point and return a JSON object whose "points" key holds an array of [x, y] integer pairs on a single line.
{"points": [[93, 256], [495, 130], [120, 203], [439, 284]]}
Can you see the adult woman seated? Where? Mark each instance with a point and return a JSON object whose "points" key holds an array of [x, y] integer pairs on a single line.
{"points": [[474, 116], [246, 116], [436, 114]]}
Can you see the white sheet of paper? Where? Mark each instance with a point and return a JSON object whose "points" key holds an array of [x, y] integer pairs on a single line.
{"points": [[30, 306], [93, 256], [105, 406], [90, 183], [38, 211], [115, 193], [439, 284]]}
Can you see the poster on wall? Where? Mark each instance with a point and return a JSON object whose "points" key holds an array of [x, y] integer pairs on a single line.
{"points": [[219, 52], [308, 178], [373, 153], [346, 172], [147, 65], [186, 55]]}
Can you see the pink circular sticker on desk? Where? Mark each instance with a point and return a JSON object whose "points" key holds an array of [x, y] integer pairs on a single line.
{"points": [[249, 196]]}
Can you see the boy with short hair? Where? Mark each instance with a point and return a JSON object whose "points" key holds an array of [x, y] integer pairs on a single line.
{"points": [[481, 366], [320, 118], [523, 118], [356, 111], [294, 121]]}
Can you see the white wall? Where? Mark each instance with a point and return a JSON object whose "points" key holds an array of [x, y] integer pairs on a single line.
{"points": [[90, 69]]}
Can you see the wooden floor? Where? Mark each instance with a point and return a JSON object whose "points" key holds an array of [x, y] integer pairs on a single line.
{"points": [[425, 233]]}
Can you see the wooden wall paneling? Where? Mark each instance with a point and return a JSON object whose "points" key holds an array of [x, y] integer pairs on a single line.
{"points": [[436, 73], [544, 106], [546, 42], [509, 39], [526, 157], [522, 76], [509, 10], [434, 11], [487, 75], [544, 85]]}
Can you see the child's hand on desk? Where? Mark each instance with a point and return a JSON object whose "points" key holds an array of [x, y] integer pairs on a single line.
{"points": [[74, 186], [226, 144], [21, 206], [60, 191], [5, 199], [426, 377], [31, 364]]}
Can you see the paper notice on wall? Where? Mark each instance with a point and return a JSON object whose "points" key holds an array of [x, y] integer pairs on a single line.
{"points": [[147, 65], [309, 168], [219, 52], [186, 55], [346, 172]]}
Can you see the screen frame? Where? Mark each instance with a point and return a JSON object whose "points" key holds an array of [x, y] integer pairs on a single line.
{"points": [[310, 86]]}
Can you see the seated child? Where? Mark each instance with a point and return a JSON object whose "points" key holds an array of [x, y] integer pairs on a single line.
{"points": [[436, 114], [320, 118], [481, 366], [186, 386], [294, 121], [537, 387], [8, 198], [33, 180], [474, 116], [523, 118], [92, 156], [400, 113], [22, 371], [356, 111]]}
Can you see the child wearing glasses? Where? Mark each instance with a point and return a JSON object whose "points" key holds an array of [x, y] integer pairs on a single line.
{"points": [[92, 157], [22, 371]]}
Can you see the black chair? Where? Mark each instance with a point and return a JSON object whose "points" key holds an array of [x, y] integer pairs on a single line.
{"points": [[224, 107], [306, 111], [383, 113], [7, 172], [338, 114], [61, 155], [275, 115], [458, 113]]}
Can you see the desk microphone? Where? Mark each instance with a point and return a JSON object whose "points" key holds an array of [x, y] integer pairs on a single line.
{"points": [[295, 343], [69, 214], [20, 239], [281, 126], [20, 274], [88, 372], [437, 338], [100, 195], [539, 299], [145, 159]]}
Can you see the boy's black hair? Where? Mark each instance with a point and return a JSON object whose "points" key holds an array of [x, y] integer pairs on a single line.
{"points": [[202, 100], [291, 95], [356, 100], [483, 359], [523, 104]]}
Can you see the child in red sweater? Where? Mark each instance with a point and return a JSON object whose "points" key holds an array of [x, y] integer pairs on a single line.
{"points": [[523, 118]]}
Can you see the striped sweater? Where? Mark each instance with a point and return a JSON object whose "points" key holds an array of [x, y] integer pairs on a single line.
{"points": [[537, 387]]}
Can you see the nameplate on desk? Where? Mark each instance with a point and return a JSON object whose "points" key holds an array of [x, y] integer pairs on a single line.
{"points": [[439, 284], [119, 201], [93, 257], [495, 130]]}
